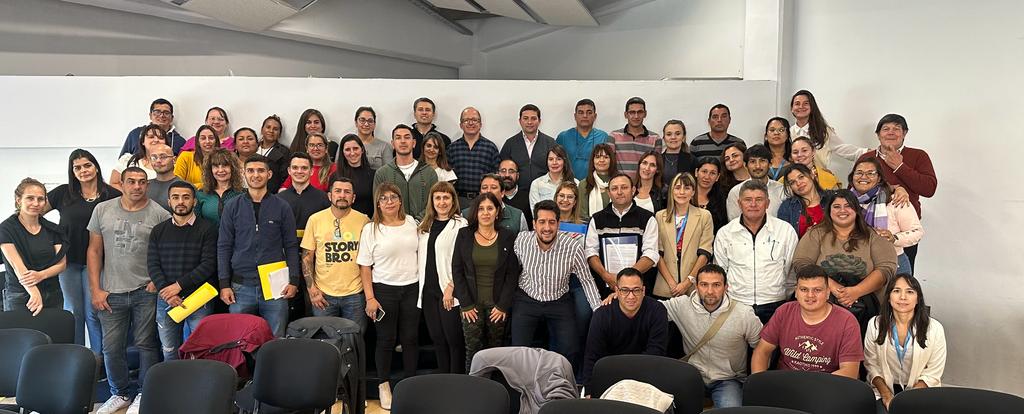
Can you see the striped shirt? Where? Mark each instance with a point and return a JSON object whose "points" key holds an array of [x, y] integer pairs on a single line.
{"points": [[629, 148], [470, 164], [546, 274], [703, 146]]}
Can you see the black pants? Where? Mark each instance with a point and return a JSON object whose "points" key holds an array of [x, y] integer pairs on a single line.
{"points": [[560, 317], [765, 311], [401, 320], [911, 253], [445, 328]]}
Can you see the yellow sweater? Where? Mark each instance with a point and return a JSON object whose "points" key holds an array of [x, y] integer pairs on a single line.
{"points": [[188, 170]]}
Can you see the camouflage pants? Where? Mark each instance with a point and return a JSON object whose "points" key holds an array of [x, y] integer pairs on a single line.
{"points": [[482, 334]]}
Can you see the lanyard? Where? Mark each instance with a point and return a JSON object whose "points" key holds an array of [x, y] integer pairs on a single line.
{"points": [[679, 232], [901, 351]]}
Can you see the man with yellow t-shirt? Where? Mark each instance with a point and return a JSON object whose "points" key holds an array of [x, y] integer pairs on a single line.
{"points": [[329, 248]]}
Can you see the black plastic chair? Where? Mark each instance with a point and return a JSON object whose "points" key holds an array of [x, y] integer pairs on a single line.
{"points": [[755, 410], [14, 344], [594, 406], [433, 394], [57, 379], [944, 400], [813, 392], [59, 324], [195, 386], [671, 376], [296, 374]]}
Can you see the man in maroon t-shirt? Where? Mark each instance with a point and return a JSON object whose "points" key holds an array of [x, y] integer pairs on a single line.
{"points": [[813, 334]]}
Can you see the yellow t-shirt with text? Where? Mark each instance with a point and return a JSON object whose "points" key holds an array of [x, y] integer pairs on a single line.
{"points": [[335, 244]]}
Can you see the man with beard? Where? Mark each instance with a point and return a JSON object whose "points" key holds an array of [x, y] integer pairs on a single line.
{"points": [[514, 195], [717, 333], [549, 258], [329, 249], [182, 256], [758, 159], [413, 178], [162, 160], [633, 324]]}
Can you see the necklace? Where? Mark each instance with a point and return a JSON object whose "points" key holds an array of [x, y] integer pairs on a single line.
{"points": [[485, 237]]}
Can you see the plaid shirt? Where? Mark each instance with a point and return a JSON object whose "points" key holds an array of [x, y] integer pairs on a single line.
{"points": [[470, 164]]}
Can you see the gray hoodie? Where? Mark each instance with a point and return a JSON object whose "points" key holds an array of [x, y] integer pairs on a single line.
{"points": [[539, 375], [725, 356]]}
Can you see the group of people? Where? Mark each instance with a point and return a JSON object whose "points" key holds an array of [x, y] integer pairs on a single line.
{"points": [[601, 238]]}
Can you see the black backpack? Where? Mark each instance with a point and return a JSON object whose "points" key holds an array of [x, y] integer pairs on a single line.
{"points": [[345, 335]]}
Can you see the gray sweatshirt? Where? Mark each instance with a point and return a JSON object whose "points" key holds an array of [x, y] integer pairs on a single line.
{"points": [[725, 356]]}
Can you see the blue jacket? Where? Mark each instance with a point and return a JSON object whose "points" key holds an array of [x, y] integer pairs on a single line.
{"points": [[243, 244], [790, 211], [131, 142]]}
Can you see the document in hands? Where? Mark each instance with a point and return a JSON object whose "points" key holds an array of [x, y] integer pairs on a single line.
{"points": [[620, 252], [273, 279], [194, 301]]}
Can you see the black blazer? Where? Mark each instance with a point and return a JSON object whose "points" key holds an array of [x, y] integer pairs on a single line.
{"points": [[530, 166], [506, 276]]}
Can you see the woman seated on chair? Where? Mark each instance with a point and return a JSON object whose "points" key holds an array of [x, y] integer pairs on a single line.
{"points": [[904, 347]]}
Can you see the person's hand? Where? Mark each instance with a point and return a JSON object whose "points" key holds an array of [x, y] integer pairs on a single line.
{"points": [[290, 291], [169, 292], [470, 315], [448, 301], [886, 399], [608, 300], [175, 301], [846, 296], [679, 289], [497, 315], [892, 157], [316, 297], [900, 197], [371, 308], [99, 300], [227, 295], [886, 234], [30, 278], [35, 301], [151, 287]]}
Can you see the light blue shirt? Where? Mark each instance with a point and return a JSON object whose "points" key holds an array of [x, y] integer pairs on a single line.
{"points": [[579, 147]]}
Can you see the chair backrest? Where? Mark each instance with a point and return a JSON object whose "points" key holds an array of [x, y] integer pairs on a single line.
{"points": [[449, 393], [14, 344], [813, 392], [59, 324], [943, 400], [189, 386], [57, 379], [669, 375], [297, 374], [593, 406], [755, 410]]}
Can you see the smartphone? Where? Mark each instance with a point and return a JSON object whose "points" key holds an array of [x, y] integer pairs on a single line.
{"points": [[377, 317]]}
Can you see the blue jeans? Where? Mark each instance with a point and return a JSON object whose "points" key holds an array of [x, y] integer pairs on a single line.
{"points": [[74, 282], [138, 310], [172, 334], [725, 393], [351, 307], [249, 299], [561, 320], [904, 265]]}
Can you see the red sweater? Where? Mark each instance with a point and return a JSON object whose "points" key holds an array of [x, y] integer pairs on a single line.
{"points": [[916, 175]]}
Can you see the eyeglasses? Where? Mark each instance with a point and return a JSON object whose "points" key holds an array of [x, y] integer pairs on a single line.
{"points": [[316, 146], [566, 196], [636, 292], [868, 174], [384, 199], [216, 118], [365, 121], [160, 112], [160, 157], [776, 130], [337, 228], [508, 171], [469, 121]]}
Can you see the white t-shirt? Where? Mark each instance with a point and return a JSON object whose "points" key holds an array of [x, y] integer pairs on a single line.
{"points": [[391, 250], [122, 164], [407, 170], [445, 175]]}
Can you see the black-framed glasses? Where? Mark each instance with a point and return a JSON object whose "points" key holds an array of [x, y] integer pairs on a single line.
{"points": [[337, 228], [636, 292]]}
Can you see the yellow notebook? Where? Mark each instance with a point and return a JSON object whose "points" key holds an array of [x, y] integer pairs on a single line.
{"points": [[194, 301], [299, 233], [273, 279]]}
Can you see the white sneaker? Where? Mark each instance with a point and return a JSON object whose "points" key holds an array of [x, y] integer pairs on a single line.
{"points": [[134, 409], [385, 395], [114, 404]]}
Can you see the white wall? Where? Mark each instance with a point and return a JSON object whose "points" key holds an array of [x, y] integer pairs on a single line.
{"points": [[49, 37], [953, 69], [97, 112], [653, 40]]}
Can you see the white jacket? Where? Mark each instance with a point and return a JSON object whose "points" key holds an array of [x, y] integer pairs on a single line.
{"points": [[758, 269], [444, 249], [927, 364]]}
